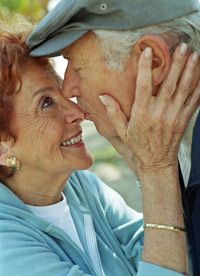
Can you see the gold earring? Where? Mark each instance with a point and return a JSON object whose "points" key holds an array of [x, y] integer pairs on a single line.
{"points": [[13, 163]]}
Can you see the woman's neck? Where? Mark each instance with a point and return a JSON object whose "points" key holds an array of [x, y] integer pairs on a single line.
{"points": [[38, 189]]}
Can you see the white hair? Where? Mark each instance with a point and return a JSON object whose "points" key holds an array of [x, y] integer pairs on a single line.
{"points": [[116, 45]]}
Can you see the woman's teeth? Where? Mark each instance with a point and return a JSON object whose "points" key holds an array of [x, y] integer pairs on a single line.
{"points": [[72, 141]]}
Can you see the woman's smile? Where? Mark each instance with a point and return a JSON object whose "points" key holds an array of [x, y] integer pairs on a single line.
{"points": [[74, 141], [56, 146]]}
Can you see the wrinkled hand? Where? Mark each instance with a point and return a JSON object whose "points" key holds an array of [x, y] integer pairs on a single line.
{"points": [[157, 123]]}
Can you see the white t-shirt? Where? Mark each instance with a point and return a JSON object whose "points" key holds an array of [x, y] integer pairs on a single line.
{"points": [[59, 215]]}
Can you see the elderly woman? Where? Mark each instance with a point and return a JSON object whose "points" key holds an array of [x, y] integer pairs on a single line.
{"points": [[55, 220]]}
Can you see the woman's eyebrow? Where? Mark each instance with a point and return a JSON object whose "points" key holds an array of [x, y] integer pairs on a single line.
{"points": [[42, 90]]}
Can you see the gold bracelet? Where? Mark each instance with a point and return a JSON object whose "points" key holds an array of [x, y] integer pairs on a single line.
{"points": [[163, 226]]}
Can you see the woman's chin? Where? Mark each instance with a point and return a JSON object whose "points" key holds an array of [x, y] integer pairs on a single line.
{"points": [[85, 163], [88, 163]]}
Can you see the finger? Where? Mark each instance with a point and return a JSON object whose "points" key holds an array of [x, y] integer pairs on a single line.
{"points": [[169, 85], [191, 105], [184, 87], [115, 114], [144, 78]]}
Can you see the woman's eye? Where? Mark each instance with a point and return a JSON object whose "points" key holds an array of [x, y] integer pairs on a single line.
{"points": [[47, 102]]}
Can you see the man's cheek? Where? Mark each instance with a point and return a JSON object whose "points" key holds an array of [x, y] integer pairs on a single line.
{"points": [[86, 100]]}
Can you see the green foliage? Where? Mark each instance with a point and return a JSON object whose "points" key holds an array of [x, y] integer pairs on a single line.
{"points": [[35, 9], [106, 154]]}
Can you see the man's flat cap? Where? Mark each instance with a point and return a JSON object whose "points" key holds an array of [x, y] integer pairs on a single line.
{"points": [[71, 19]]}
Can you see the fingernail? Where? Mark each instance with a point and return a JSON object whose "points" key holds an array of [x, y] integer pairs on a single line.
{"points": [[148, 52], [104, 99], [183, 49], [195, 56]]}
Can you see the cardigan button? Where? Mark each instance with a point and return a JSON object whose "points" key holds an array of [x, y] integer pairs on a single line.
{"points": [[103, 6]]}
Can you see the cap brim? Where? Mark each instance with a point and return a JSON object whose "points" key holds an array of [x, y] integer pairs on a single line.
{"points": [[53, 46]]}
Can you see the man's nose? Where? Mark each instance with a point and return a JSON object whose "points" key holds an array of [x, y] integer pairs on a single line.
{"points": [[72, 113], [71, 83]]}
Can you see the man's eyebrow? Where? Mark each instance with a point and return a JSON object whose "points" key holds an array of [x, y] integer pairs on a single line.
{"points": [[42, 90], [65, 53]]}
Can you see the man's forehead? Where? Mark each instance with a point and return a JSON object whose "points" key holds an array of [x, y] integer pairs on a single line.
{"points": [[78, 52], [80, 45]]}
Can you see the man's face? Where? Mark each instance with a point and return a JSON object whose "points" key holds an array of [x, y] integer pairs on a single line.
{"points": [[87, 77]]}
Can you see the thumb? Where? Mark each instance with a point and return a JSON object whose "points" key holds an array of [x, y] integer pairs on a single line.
{"points": [[115, 114]]}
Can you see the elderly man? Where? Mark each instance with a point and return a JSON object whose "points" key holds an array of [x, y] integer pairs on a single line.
{"points": [[105, 61]]}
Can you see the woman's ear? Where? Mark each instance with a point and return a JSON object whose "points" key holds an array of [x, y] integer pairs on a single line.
{"points": [[161, 55], [5, 150]]}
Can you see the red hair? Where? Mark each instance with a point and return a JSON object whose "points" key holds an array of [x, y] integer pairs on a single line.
{"points": [[13, 55]]}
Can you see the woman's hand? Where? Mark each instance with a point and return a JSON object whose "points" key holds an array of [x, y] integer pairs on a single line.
{"points": [[157, 123], [152, 135]]}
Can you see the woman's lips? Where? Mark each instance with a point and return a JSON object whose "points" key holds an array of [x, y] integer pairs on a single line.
{"points": [[88, 116], [77, 145], [73, 141]]}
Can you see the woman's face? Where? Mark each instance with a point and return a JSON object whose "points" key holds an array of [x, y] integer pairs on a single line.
{"points": [[47, 125]]}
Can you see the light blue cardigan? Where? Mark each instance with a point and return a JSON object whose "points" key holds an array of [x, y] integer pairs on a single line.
{"points": [[30, 246]]}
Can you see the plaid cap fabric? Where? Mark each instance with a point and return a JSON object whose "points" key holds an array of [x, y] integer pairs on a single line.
{"points": [[71, 19]]}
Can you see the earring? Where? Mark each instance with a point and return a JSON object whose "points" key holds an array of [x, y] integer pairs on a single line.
{"points": [[13, 163]]}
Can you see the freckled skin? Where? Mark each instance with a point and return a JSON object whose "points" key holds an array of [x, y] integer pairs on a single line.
{"points": [[94, 79], [42, 131], [41, 123]]}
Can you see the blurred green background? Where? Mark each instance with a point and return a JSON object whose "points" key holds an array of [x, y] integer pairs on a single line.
{"points": [[108, 165], [34, 9]]}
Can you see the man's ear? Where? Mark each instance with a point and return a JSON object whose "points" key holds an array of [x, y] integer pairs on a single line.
{"points": [[161, 55]]}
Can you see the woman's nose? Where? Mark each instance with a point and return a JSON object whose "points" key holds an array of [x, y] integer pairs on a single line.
{"points": [[73, 113]]}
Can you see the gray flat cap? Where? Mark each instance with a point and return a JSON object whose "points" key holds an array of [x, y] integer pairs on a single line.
{"points": [[71, 19]]}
